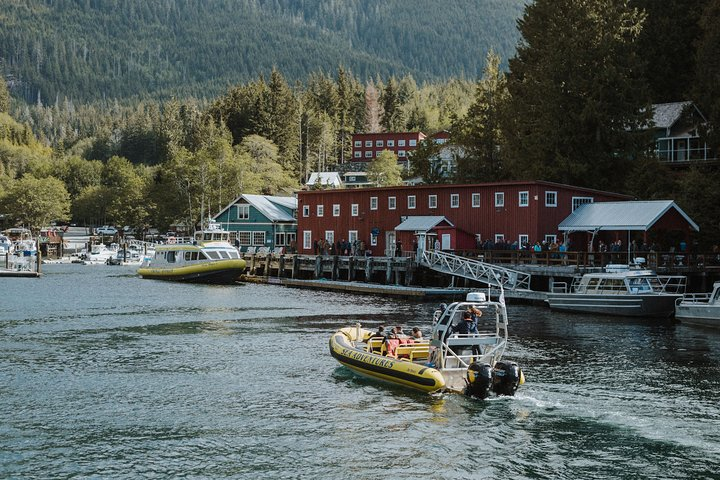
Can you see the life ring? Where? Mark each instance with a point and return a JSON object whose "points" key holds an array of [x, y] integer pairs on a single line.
{"points": [[171, 240]]}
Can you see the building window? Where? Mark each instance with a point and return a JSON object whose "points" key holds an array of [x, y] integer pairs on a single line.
{"points": [[411, 202], [368, 154], [391, 143], [368, 143], [523, 239], [391, 203], [475, 200], [243, 212], [354, 209], [352, 236], [330, 236], [290, 238], [357, 154], [378, 152], [524, 199], [307, 239], [280, 239], [454, 200], [244, 238], [373, 203], [258, 239], [378, 143], [412, 143], [432, 201], [499, 199], [499, 238], [401, 153], [550, 239], [350, 178], [401, 143], [358, 143], [336, 209], [320, 210], [551, 199], [306, 210], [577, 201]]}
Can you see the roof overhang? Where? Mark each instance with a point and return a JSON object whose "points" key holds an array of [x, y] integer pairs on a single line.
{"points": [[422, 223]]}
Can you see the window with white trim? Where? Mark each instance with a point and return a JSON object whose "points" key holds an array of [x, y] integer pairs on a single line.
{"points": [[550, 199], [401, 153], [258, 239], [550, 239], [475, 200], [320, 210], [336, 209], [280, 239], [499, 237], [577, 201], [243, 212], [454, 200], [523, 199], [378, 152], [373, 203], [357, 154], [392, 203], [330, 236], [411, 202], [307, 239], [432, 201], [290, 237], [354, 209], [352, 235], [401, 143], [358, 143], [378, 143], [412, 143], [499, 199], [245, 238], [523, 239], [306, 210], [368, 154], [368, 143], [391, 143]]}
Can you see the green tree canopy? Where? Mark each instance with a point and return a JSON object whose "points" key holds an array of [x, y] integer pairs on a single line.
{"points": [[384, 170], [35, 202], [578, 103]]}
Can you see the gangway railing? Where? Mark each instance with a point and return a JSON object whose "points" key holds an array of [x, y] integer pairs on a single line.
{"points": [[487, 273]]}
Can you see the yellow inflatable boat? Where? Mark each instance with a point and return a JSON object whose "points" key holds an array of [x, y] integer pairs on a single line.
{"points": [[463, 354]]}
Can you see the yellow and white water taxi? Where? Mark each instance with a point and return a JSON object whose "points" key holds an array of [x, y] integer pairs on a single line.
{"points": [[207, 258], [450, 361]]}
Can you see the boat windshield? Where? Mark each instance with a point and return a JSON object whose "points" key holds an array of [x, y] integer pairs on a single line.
{"points": [[639, 285]]}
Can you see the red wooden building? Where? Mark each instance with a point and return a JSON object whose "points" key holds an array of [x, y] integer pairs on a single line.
{"points": [[458, 216], [367, 146]]}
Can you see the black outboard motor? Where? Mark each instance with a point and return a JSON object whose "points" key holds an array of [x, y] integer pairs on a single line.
{"points": [[506, 377], [479, 379]]}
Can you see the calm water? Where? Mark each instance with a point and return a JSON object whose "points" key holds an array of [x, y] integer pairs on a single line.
{"points": [[103, 374]]}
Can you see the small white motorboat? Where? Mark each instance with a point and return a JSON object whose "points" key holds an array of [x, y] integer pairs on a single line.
{"points": [[700, 308]]}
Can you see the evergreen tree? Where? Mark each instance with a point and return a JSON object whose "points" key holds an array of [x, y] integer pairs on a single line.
{"points": [[707, 85], [4, 97], [478, 133], [392, 117], [424, 162], [578, 103]]}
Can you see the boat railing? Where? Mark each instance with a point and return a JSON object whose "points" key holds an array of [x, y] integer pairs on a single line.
{"points": [[674, 284], [559, 287], [694, 298]]}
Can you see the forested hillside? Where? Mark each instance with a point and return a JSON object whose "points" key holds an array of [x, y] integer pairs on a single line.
{"points": [[86, 50]]}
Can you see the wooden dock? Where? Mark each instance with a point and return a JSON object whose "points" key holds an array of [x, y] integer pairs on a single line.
{"points": [[4, 272]]}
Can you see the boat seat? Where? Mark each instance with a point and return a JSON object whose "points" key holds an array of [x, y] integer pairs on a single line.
{"points": [[412, 352]]}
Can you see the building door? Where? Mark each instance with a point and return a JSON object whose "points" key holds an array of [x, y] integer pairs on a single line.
{"points": [[389, 243], [445, 241]]}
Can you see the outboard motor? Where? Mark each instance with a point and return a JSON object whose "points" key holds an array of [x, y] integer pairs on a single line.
{"points": [[506, 377], [479, 379]]}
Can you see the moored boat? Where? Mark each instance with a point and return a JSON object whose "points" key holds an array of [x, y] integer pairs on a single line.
{"points": [[210, 258], [449, 361], [700, 308], [619, 290]]}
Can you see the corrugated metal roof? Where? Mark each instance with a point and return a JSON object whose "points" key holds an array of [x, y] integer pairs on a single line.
{"points": [[325, 178], [666, 114], [268, 206], [639, 215], [421, 223]]}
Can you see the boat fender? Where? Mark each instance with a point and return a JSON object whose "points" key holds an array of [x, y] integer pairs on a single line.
{"points": [[479, 379], [506, 377]]}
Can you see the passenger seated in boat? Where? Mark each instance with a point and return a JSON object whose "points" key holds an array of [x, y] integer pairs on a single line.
{"points": [[468, 326], [380, 332], [417, 334]]}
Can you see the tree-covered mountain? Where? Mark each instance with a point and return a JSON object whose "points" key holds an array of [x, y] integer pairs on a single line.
{"points": [[87, 50]]}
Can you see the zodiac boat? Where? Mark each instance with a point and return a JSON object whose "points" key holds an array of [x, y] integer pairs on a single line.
{"points": [[445, 363], [209, 258]]}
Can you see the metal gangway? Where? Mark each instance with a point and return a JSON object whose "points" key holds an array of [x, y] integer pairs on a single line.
{"points": [[487, 273]]}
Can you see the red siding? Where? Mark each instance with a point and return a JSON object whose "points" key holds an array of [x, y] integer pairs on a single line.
{"points": [[536, 220]]}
